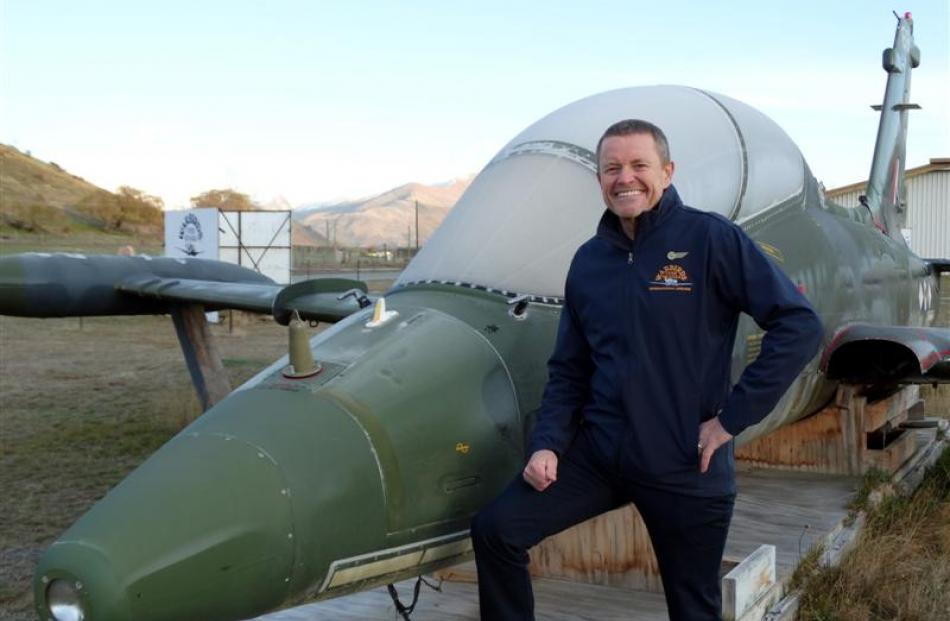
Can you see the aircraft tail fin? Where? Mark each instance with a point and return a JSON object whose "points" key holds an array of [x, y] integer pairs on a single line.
{"points": [[885, 195]]}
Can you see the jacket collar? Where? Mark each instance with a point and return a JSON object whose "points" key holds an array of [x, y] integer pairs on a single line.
{"points": [[611, 230]]}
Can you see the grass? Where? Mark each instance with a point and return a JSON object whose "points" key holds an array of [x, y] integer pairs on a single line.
{"points": [[872, 480], [87, 242], [900, 567], [81, 405]]}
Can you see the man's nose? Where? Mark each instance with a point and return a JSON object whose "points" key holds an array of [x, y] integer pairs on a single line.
{"points": [[626, 174]]}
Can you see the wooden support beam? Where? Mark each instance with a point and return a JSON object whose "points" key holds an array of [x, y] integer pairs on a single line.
{"points": [[204, 364], [848, 437]]}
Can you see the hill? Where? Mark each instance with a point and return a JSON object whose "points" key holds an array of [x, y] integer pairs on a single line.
{"points": [[303, 235], [385, 219], [41, 197]]}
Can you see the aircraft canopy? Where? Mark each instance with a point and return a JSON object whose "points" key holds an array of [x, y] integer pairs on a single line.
{"points": [[517, 226]]}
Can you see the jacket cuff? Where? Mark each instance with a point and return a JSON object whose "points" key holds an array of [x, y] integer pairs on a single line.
{"points": [[541, 445], [731, 422]]}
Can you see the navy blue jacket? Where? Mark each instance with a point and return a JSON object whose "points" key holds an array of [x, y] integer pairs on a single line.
{"points": [[644, 346]]}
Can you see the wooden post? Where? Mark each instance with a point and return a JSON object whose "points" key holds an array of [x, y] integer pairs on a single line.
{"points": [[201, 355], [748, 582]]}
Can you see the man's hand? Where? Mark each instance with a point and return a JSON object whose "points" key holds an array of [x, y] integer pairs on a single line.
{"points": [[541, 470], [711, 437]]}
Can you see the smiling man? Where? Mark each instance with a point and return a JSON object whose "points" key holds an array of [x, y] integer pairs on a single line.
{"points": [[639, 405]]}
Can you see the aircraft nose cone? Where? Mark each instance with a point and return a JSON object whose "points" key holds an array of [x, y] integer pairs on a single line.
{"points": [[202, 530]]}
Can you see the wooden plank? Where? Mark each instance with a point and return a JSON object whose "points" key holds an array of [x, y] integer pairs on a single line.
{"points": [[555, 600], [932, 443], [464, 572], [844, 395], [894, 454], [790, 510], [786, 610], [758, 610], [835, 440], [828, 442], [840, 540], [894, 409], [201, 355], [612, 549], [917, 412], [748, 582]]}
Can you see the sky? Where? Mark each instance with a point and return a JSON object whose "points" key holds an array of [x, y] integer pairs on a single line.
{"points": [[317, 101]]}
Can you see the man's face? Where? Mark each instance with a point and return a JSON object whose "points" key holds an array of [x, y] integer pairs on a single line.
{"points": [[632, 176]]}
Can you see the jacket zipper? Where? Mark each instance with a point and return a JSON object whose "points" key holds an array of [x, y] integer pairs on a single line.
{"points": [[618, 452]]}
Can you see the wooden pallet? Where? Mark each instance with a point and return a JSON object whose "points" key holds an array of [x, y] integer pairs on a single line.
{"points": [[850, 436]]}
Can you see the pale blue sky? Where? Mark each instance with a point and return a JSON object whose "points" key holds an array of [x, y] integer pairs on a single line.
{"points": [[321, 100]]}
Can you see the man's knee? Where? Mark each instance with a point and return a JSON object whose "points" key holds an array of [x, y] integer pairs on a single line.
{"points": [[496, 528], [485, 527]]}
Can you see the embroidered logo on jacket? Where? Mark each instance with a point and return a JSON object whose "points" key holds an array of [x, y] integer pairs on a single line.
{"points": [[672, 255], [671, 278]]}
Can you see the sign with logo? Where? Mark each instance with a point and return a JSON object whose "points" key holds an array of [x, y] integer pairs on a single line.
{"points": [[192, 233]]}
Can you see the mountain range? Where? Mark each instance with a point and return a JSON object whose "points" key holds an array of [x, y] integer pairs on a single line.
{"points": [[41, 197], [386, 219]]}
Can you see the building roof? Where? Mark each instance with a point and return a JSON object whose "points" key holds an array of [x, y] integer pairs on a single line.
{"points": [[936, 163]]}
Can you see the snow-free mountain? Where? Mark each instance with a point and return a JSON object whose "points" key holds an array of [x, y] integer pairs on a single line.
{"points": [[385, 219]]}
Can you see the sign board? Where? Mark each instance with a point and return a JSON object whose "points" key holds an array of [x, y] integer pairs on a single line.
{"points": [[192, 233], [259, 240]]}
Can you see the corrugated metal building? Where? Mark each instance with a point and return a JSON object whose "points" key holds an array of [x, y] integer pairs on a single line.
{"points": [[928, 206]]}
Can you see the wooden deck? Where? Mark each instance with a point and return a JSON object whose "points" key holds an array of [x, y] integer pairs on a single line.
{"points": [[789, 510]]}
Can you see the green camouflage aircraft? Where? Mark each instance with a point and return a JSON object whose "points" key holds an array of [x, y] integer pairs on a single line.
{"points": [[302, 486]]}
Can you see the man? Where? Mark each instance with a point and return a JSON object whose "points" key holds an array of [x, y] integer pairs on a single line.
{"points": [[638, 406]]}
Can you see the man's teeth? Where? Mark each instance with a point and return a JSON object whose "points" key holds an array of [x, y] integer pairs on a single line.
{"points": [[628, 193]]}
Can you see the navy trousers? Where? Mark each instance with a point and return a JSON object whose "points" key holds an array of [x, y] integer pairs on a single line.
{"points": [[688, 535]]}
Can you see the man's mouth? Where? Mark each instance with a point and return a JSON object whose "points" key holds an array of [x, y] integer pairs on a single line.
{"points": [[628, 193]]}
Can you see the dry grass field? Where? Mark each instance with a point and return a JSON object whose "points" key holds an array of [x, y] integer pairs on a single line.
{"points": [[82, 404], [13, 242]]}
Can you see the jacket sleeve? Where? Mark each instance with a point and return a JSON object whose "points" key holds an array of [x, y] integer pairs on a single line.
{"points": [[753, 284], [569, 373]]}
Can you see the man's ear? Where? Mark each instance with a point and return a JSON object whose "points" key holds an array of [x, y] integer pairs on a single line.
{"points": [[668, 169]]}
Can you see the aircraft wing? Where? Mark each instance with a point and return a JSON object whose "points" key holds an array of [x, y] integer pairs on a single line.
{"points": [[75, 285], [861, 353], [322, 299]]}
